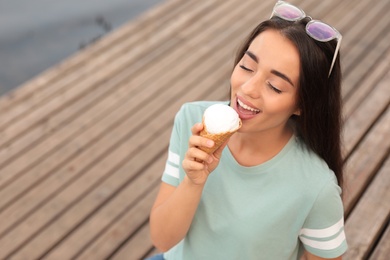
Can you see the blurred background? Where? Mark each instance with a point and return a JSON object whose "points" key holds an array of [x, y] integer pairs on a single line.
{"points": [[37, 34]]}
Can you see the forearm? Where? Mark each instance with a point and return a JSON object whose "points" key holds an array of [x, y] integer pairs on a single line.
{"points": [[171, 219], [175, 207]]}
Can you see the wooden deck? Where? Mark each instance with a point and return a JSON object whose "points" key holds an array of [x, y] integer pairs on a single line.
{"points": [[84, 144]]}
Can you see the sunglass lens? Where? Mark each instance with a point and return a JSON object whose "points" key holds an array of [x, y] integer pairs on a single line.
{"points": [[289, 12], [321, 31]]}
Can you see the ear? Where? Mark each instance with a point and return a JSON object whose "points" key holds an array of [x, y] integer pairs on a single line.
{"points": [[297, 112]]}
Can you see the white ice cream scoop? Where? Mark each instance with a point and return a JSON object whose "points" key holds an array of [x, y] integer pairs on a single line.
{"points": [[220, 122], [220, 118]]}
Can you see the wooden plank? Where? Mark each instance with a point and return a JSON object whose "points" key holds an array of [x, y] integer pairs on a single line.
{"points": [[134, 59], [55, 208], [382, 250], [87, 231], [99, 222], [71, 95], [43, 149], [136, 248], [367, 28], [16, 187], [367, 85], [364, 66], [370, 216], [374, 105], [163, 12], [103, 248], [363, 163], [106, 216], [78, 188], [367, 51], [52, 86], [354, 31], [103, 91], [350, 25], [31, 200], [346, 22], [87, 180], [68, 76]]}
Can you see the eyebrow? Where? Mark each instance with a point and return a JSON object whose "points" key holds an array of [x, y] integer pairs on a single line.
{"points": [[281, 75], [252, 56], [275, 72]]}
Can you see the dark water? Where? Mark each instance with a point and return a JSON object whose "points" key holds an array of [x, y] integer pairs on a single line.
{"points": [[37, 34]]}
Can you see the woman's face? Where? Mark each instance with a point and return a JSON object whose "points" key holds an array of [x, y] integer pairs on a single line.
{"points": [[264, 83]]}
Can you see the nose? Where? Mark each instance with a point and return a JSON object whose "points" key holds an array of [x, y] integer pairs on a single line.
{"points": [[252, 87]]}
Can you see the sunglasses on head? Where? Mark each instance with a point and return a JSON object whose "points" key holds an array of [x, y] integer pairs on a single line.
{"points": [[316, 29]]}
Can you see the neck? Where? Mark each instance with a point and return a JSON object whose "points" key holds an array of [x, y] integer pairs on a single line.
{"points": [[250, 149]]}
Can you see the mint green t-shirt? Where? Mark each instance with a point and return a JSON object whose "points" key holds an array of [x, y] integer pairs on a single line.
{"points": [[269, 211]]}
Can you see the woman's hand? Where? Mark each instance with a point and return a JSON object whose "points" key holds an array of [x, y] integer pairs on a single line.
{"points": [[198, 164]]}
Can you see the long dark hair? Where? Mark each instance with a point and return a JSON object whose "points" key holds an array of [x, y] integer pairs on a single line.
{"points": [[319, 96]]}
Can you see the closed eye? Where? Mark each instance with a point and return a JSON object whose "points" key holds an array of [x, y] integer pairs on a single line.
{"points": [[245, 68], [274, 88]]}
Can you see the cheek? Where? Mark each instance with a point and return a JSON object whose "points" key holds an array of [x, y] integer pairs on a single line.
{"points": [[287, 106], [237, 78], [234, 78], [234, 83]]}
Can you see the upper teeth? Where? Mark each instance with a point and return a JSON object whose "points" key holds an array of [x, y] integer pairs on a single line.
{"points": [[247, 107]]}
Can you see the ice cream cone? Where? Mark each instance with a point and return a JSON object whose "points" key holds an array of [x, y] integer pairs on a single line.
{"points": [[218, 139]]}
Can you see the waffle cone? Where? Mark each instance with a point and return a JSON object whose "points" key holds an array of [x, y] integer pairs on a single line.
{"points": [[218, 139]]}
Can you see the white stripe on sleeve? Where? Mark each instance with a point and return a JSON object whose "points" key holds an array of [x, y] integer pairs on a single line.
{"points": [[173, 158], [172, 170], [325, 232], [325, 245]]}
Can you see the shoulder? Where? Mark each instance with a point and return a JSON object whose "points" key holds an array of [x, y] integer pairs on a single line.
{"points": [[199, 106], [322, 233], [311, 173], [318, 181], [192, 112], [313, 165]]}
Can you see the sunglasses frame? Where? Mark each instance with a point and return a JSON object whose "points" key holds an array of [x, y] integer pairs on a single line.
{"points": [[303, 15]]}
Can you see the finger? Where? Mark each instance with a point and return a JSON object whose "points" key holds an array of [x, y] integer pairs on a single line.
{"points": [[196, 154], [197, 128], [192, 165], [199, 141]]}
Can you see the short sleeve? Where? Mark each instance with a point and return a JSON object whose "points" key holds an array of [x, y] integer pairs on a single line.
{"points": [[171, 173], [323, 231]]}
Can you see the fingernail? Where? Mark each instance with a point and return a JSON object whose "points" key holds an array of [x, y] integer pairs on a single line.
{"points": [[210, 143]]}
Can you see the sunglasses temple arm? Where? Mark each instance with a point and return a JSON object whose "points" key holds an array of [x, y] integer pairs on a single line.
{"points": [[272, 15], [335, 54]]}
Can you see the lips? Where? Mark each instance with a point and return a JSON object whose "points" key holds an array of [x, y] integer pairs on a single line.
{"points": [[245, 110]]}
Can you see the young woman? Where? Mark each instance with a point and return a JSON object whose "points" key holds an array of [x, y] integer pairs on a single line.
{"points": [[272, 191]]}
